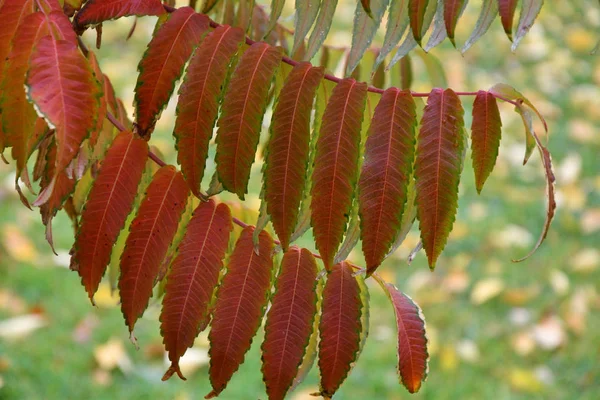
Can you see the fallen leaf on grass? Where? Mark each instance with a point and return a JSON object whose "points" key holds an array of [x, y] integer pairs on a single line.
{"points": [[21, 326], [486, 289]]}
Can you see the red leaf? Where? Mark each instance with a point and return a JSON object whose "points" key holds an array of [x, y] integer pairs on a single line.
{"points": [[412, 340], [336, 166], [485, 136], [340, 327], [103, 108], [61, 84], [506, 9], [97, 11], [288, 148], [198, 103], [62, 28], [386, 170], [63, 187], [163, 63], [242, 113], [241, 302], [437, 169], [289, 321], [12, 13], [416, 13], [193, 276], [109, 202], [18, 115], [452, 10], [150, 234]]}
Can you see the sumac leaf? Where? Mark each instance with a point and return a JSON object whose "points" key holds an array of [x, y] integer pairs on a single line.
{"points": [[290, 321], [486, 130], [241, 301], [163, 62], [61, 83], [241, 115], [529, 12], [340, 327], [288, 149], [507, 8], [321, 28], [336, 166], [306, 13], [395, 28], [194, 275], [452, 11], [412, 340], [97, 11], [386, 170], [489, 10], [416, 12], [438, 166], [109, 202], [198, 102], [103, 107], [150, 234]]}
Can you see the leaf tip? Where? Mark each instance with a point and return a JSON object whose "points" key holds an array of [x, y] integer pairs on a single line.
{"points": [[173, 369]]}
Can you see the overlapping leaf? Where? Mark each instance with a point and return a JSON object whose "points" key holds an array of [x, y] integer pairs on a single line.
{"points": [[149, 237], [396, 26], [489, 10], [62, 85], [163, 63], [507, 8], [321, 28], [387, 167], [412, 340], [241, 301], [109, 202], [336, 166], [193, 276], [97, 11], [288, 149], [485, 136], [103, 106], [289, 321], [438, 166], [198, 103], [306, 12], [340, 327], [241, 115], [417, 11]]}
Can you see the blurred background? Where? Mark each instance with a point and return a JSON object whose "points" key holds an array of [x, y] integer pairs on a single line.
{"points": [[497, 330]]}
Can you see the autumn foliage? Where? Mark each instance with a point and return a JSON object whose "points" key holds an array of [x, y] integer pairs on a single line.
{"points": [[349, 160]]}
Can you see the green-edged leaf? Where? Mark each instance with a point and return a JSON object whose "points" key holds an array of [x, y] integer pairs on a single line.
{"points": [[321, 28], [507, 92], [241, 301], [407, 45], [103, 107], [527, 118], [163, 62], [194, 275], [61, 83], [276, 10], [340, 327], [290, 321], [485, 136], [507, 8], [149, 237], [97, 11], [198, 102], [529, 12], [306, 12], [413, 357], [386, 173], [421, 14], [452, 11], [437, 169], [396, 26], [336, 166], [489, 10], [365, 28], [241, 117], [288, 149], [107, 207], [550, 194]]}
